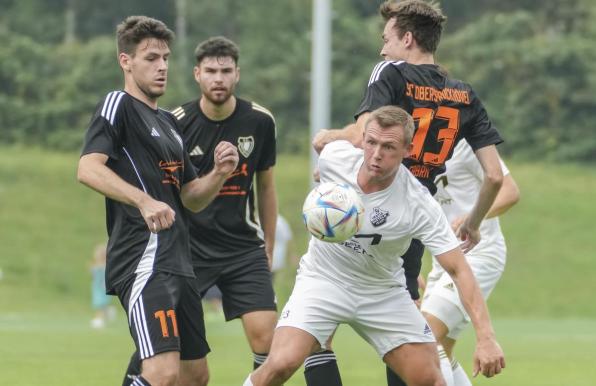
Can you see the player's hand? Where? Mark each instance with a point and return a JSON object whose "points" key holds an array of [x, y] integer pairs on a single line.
{"points": [[322, 138], [488, 358], [455, 224], [468, 235], [226, 158], [157, 215]]}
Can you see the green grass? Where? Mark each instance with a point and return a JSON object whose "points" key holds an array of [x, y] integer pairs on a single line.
{"points": [[57, 349], [543, 307]]}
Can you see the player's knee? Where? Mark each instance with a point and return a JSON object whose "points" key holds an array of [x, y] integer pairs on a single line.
{"points": [[195, 377], [427, 378], [166, 376], [282, 367]]}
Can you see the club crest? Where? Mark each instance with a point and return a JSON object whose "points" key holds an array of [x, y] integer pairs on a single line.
{"points": [[378, 217], [245, 145]]}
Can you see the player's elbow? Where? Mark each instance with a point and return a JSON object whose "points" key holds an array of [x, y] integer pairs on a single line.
{"points": [[494, 178]]}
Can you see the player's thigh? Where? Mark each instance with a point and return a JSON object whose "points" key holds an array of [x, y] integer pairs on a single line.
{"points": [[151, 300], [317, 306], [389, 319], [193, 343], [416, 363], [247, 286], [259, 327]]}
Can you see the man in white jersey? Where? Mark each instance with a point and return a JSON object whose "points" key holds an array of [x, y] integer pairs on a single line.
{"points": [[361, 281], [457, 190]]}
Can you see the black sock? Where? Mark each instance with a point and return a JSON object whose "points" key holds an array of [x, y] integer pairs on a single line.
{"points": [[140, 381], [320, 369], [394, 379], [133, 369], [258, 359]]}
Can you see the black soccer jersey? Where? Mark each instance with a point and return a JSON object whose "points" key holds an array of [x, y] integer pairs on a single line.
{"points": [[145, 150], [228, 228], [445, 110]]}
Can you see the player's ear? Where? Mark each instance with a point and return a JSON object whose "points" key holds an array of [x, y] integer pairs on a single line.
{"points": [[196, 72], [237, 74], [124, 61], [408, 39]]}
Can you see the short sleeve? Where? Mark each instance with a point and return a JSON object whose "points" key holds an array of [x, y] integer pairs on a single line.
{"points": [[482, 133], [269, 152], [189, 171], [103, 134], [433, 229], [385, 86]]}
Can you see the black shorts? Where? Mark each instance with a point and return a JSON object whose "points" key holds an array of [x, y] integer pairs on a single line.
{"points": [[245, 285], [164, 314], [412, 265]]}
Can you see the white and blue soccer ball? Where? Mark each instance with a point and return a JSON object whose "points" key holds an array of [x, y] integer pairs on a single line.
{"points": [[333, 212]]}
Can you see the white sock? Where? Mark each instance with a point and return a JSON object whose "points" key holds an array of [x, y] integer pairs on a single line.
{"points": [[248, 382], [460, 378], [445, 366]]}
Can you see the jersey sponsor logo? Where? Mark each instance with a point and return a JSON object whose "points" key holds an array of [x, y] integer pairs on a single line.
{"points": [[420, 171], [378, 216], [197, 151], [154, 133], [169, 168], [246, 145], [431, 94]]}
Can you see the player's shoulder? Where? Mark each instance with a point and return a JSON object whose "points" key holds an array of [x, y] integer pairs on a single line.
{"points": [[258, 110], [111, 103], [340, 152], [386, 68], [186, 109]]}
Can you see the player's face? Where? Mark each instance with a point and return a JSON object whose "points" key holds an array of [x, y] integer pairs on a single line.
{"points": [[393, 46], [384, 149], [217, 77], [146, 71]]}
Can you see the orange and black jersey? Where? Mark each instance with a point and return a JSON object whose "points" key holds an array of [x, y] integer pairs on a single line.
{"points": [[227, 228], [445, 110], [145, 150]]}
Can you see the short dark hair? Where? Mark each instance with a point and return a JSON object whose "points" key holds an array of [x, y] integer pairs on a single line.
{"points": [[388, 116], [136, 28], [217, 47], [425, 21]]}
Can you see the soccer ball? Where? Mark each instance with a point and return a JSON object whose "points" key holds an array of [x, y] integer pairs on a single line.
{"points": [[333, 212]]}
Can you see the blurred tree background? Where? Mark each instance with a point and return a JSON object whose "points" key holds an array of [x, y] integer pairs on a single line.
{"points": [[532, 63]]}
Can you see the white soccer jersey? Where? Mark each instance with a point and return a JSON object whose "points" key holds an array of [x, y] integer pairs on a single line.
{"points": [[393, 217], [457, 190]]}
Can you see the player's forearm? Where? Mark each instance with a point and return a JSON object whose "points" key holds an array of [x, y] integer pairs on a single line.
{"points": [[486, 197], [507, 197], [199, 193], [93, 173]]}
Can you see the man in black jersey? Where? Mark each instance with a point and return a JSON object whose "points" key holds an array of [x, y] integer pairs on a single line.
{"points": [[230, 248], [445, 110], [135, 157]]}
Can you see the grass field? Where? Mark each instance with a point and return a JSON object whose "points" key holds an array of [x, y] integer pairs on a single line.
{"points": [[543, 308]]}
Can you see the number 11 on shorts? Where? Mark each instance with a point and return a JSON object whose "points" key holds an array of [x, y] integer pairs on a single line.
{"points": [[163, 317]]}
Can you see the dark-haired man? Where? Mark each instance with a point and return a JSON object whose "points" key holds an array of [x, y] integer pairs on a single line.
{"points": [[231, 246], [135, 157]]}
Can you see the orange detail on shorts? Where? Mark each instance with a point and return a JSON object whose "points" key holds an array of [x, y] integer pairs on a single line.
{"points": [[161, 315]]}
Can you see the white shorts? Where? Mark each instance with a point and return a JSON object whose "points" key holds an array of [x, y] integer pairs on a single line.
{"points": [[386, 319], [441, 298]]}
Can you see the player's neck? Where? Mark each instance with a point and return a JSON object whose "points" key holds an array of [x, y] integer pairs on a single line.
{"points": [[371, 184], [418, 57], [140, 95], [217, 112]]}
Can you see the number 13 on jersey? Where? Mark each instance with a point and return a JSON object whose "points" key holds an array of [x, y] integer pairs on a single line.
{"points": [[446, 135]]}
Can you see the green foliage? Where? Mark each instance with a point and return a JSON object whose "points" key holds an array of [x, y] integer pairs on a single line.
{"points": [[536, 80], [532, 64]]}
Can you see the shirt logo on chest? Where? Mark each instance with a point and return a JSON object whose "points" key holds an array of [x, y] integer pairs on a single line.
{"points": [[246, 145], [154, 132], [378, 217], [196, 151]]}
